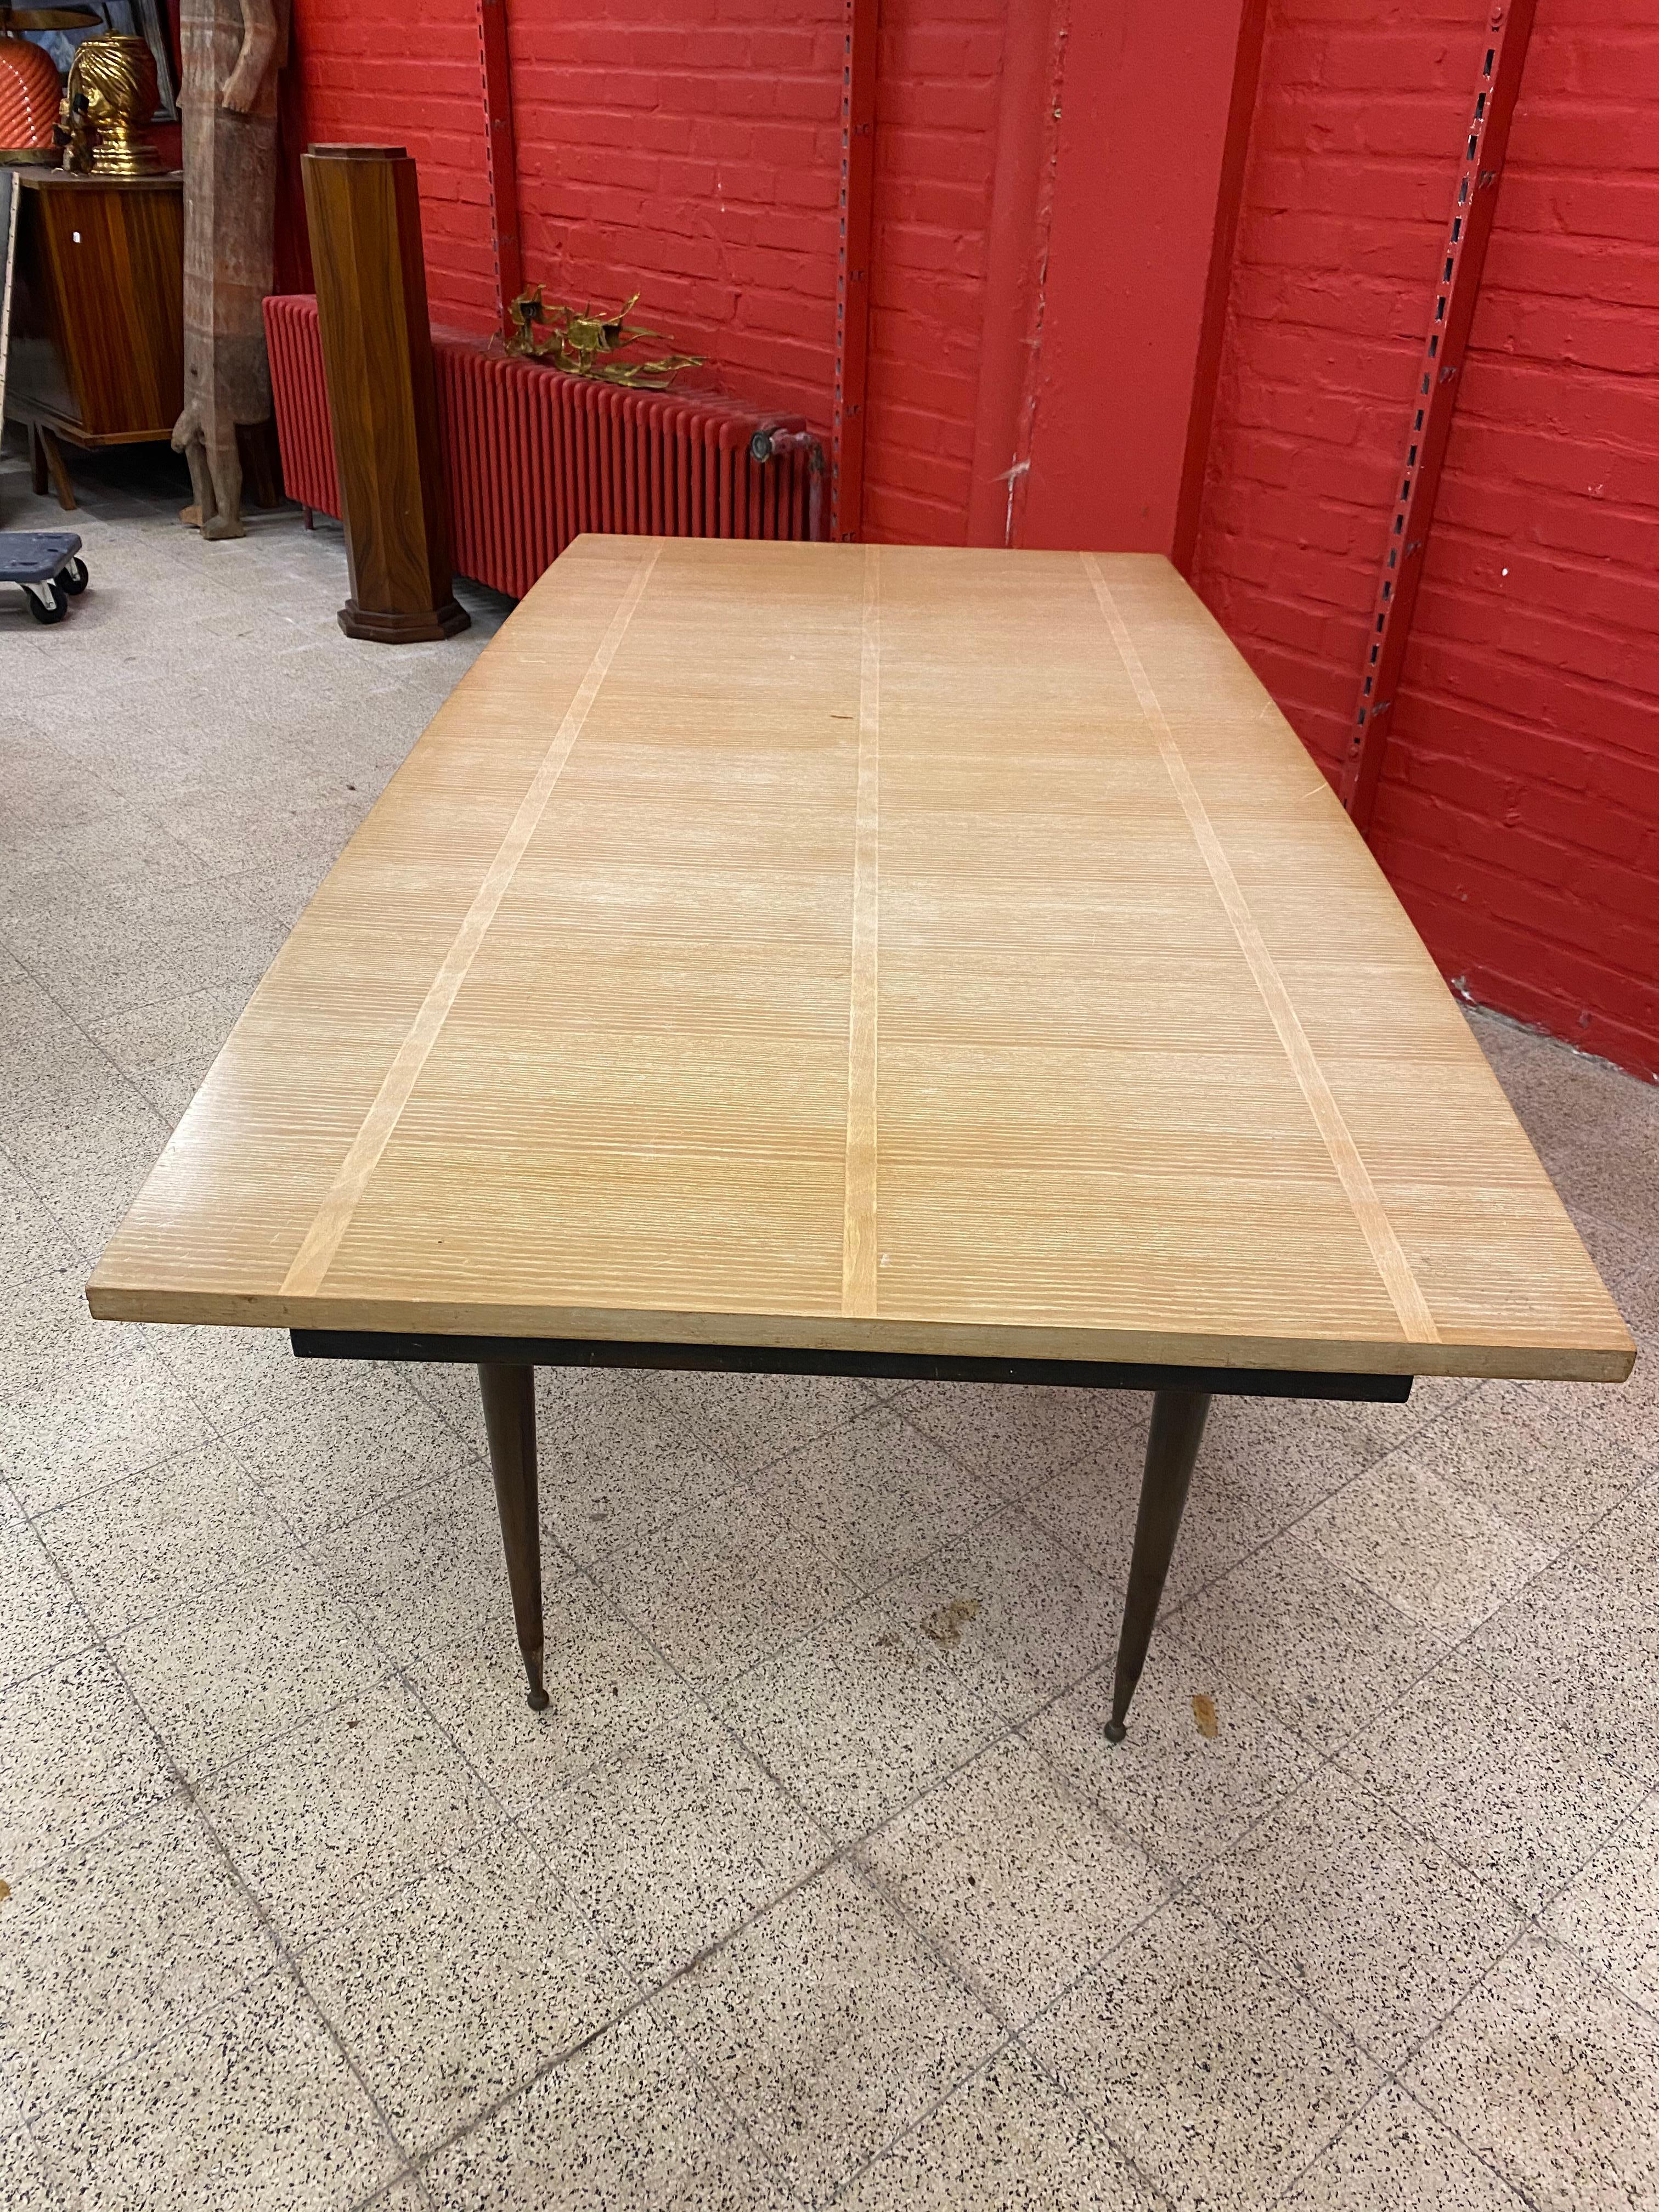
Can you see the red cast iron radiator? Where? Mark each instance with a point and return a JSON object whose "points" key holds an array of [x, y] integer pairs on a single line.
{"points": [[532, 457]]}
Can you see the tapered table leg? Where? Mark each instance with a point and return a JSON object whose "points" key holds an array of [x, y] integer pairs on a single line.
{"points": [[509, 1404], [1178, 1418]]}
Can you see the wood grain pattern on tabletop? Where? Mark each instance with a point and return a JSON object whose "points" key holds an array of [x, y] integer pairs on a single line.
{"points": [[867, 947]]}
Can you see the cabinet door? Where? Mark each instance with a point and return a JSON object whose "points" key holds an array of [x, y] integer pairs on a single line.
{"points": [[102, 266]]}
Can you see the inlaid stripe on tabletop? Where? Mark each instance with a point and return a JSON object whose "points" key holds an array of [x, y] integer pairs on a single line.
{"points": [[1394, 1268], [860, 1258], [322, 1240]]}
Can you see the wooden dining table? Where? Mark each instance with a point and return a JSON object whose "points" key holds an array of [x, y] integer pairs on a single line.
{"points": [[884, 961]]}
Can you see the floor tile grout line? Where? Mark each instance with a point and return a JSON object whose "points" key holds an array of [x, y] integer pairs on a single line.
{"points": [[1274, 1973], [887, 1899], [1004, 1729], [184, 1789], [390, 1671], [531, 1838], [1561, 1559], [706, 1695], [1183, 1885], [245, 982], [26, 2118], [853, 1848], [380, 2194], [1426, 1629], [644, 1996], [866, 1592], [48, 1208], [702, 1699], [1330, 1751], [1328, 1759], [739, 1484], [390, 1666], [914, 2127], [1391, 2078], [1521, 2194], [60, 1658], [1530, 1923], [1201, 1589], [1556, 1559], [471, 1456], [87, 1037], [998, 1501], [1013, 2041], [1609, 1842], [286, 1960], [1293, 1980], [35, 1517], [1398, 2073], [576, 1569], [258, 1570], [1348, 1482], [1014, 2031], [1283, 2196]]}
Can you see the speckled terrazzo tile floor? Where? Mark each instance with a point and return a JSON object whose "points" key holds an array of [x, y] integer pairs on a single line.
{"points": [[816, 1886]]}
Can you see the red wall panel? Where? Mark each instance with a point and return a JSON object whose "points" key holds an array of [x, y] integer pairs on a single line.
{"points": [[1143, 120], [1519, 813]]}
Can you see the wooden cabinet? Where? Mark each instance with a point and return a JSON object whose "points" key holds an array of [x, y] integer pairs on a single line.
{"points": [[97, 338]]}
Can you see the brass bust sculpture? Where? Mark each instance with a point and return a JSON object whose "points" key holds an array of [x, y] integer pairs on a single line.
{"points": [[110, 93]]}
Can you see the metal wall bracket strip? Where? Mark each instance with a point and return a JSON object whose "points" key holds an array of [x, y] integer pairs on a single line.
{"points": [[857, 138], [500, 157], [1457, 287]]}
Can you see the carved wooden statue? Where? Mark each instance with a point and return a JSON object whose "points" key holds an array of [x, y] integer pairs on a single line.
{"points": [[231, 51]]}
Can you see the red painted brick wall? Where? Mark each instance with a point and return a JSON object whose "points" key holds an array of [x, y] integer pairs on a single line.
{"points": [[403, 73], [1519, 817], [690, 149], [938, 75]]}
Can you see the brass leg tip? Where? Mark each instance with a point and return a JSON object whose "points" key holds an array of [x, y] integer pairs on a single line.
{"points": [[1115, 1731]]}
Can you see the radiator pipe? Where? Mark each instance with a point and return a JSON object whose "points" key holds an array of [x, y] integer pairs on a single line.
{"points": [[789, 434]]}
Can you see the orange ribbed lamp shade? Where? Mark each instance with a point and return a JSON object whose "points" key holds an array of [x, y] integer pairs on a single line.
{"points": [[28, 95]]}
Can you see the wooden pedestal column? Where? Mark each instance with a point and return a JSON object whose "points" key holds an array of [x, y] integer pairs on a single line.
{"points": [[364, 213]]}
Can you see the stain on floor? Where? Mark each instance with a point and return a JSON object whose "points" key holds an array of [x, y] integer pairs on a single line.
{"points": [[945, 1624]]}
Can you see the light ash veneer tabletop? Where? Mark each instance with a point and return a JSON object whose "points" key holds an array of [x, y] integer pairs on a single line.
{"points": [[866, 949]]}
